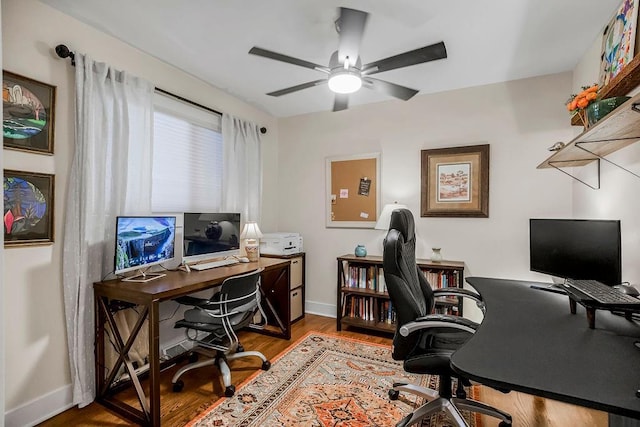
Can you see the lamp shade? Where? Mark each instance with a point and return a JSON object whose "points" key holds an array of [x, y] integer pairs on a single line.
{"points": [[251, 231], [385, 217]]}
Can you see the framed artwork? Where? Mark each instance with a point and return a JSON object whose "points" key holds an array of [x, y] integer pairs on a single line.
{"points": [[28, 208], [618, 41], [29, 110], [455, 182], [353, 191]]}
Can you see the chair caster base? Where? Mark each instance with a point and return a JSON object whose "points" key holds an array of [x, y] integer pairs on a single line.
{"points": [[266, 365], [178, 386], [394, 394], [230, 391]]}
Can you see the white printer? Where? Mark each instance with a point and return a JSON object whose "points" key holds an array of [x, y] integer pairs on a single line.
{"points": [[281, 243]]}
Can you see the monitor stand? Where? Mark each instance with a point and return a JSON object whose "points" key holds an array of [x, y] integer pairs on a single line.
{"points": [[143, 277]]}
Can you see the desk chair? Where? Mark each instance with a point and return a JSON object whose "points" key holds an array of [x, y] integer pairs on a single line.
{"points": [[227, 311], [426, 341]]}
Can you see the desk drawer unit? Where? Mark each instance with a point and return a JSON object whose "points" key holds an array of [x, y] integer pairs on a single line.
{"points": [[296, 284]]}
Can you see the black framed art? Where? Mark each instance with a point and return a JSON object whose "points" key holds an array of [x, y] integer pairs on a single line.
{"points": [[28, 114], [28, 208]]}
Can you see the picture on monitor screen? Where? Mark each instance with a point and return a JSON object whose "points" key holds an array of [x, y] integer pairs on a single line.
{"points": [[143, 241], [577, 249], [210, 235]]}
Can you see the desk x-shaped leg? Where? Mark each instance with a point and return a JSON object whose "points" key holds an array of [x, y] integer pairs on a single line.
{"points": [[150, 414]]}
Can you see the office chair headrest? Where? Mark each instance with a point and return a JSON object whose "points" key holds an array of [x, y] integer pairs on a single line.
{"points": [[402, 220]]}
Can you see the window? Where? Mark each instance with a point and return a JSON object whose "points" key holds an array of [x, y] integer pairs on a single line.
{"points": [[187, 158]]}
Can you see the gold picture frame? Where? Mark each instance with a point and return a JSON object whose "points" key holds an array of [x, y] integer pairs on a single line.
{"points": [[455, 182]]}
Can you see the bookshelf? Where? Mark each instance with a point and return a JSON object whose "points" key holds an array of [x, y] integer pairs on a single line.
{"points": [[363, 301]]}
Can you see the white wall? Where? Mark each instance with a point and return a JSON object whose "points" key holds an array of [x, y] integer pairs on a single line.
{"points": [[519, 120], [37, 372], [617, 197]]}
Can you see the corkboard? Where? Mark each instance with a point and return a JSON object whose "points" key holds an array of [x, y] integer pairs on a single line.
{"points": [[353, 191]]}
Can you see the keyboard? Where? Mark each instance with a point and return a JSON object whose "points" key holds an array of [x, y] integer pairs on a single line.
{"points": [[213, 264], [601, 293]]}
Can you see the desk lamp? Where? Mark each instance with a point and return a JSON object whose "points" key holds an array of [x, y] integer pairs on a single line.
{"points": [[251, 232]]}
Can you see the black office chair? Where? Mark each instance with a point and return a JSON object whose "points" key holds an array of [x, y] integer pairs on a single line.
{"points": [[426, 341], [230, 309]]}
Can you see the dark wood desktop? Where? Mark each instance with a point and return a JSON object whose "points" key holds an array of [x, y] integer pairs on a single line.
{"points": [[529, 341], [114, 294]]}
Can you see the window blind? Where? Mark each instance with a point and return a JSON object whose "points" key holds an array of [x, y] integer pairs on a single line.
{"points": [[187, 158]]}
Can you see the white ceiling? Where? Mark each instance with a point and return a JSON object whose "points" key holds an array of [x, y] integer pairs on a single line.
{"points": [[487, 41]]}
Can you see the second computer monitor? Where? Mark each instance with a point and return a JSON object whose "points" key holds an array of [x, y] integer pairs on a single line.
{"points": [[208, 235]]}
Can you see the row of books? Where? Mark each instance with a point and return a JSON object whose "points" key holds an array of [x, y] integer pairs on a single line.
{"points": [[442, 278], [372, 277], [368, 308], [363, 277]]}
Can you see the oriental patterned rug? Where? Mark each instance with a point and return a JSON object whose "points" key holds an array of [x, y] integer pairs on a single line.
{"points": [[325, 380]]}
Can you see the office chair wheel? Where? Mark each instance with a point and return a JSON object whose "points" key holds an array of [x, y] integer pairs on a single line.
{"points": [[193, 357], [266, 365], [394, 394], [504, 424], [230, 391], [178, 386]]}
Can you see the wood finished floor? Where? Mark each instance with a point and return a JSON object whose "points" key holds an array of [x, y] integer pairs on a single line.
{"points": [[203, 388]]}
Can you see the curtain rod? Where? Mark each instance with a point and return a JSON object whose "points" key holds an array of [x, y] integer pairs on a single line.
{"points": [[63, 52]]}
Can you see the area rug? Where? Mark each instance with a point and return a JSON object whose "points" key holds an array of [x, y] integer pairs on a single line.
{"points": [[325, 380]]}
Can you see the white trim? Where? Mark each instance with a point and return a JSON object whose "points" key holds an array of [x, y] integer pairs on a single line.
{"points": [[40, 409], [320, 308]]}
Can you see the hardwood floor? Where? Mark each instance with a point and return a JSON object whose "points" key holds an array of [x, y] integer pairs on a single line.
{"points": [[202, 389]]}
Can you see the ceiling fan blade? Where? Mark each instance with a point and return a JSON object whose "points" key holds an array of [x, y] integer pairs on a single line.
{"points": [[297, 87], [288, 59], [392, 89], [418, 56], [351, 28], [341, 102]]}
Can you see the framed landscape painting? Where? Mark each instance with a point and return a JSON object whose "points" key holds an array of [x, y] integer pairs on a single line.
{"points": [[28, 114], [28, 208], [455, 182]]}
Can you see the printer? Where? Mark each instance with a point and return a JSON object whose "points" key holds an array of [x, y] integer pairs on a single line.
{"points": [[280, 243]]}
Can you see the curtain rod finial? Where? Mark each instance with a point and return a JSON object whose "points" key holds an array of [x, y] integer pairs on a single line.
{"points": [[63, 52]]}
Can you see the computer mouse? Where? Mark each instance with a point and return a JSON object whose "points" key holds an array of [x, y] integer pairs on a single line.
{"points": [[627, 289], [243, 259]]}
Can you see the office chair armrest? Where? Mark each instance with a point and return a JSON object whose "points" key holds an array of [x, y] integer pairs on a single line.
{"points": [[438, 321], [463, 293]]}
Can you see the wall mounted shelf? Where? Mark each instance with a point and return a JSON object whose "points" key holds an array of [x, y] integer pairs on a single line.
{"points": [[613, 132], [627, 79]]}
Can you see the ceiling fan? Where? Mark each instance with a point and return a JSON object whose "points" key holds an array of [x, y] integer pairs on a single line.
{"points": [[345, 72]]}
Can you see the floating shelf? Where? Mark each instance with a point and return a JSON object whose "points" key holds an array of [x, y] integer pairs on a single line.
{"points": [[613, 132], [626, 80]]}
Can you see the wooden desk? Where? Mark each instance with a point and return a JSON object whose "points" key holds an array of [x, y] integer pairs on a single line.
{"points": [[529, 341], [148, 297]]}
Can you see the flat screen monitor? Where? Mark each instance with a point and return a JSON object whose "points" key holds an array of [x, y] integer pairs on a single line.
{"points": [[577, 249], [209, 235], [143, 241]]}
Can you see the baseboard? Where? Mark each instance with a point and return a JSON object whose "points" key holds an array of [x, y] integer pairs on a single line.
{"points": [[40, 409], [320, 308]]}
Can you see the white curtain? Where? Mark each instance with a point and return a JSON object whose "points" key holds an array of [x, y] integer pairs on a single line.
{"points": [[110, 176], [242, 170]]}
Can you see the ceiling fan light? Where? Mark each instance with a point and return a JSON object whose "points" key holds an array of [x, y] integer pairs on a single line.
{"points": [[345, 82]]}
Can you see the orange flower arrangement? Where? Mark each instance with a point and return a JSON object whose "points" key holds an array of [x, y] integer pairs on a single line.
{"points": [[577, 103], [583, 99]]}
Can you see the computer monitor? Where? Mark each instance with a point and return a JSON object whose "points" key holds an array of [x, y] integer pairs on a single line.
{"points": [[577, 249], [143, 241], [208, 235]]}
